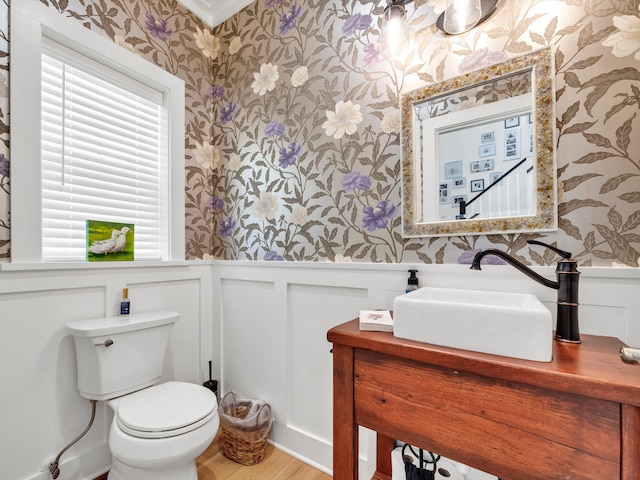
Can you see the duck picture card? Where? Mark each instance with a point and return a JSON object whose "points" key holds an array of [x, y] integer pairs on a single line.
{"points": [[109, 241]]}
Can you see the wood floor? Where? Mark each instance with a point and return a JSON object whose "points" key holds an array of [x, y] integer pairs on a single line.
{"points": [[277, 465]]}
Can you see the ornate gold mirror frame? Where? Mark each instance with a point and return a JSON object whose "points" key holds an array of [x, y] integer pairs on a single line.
{"points": [[416, 184]]}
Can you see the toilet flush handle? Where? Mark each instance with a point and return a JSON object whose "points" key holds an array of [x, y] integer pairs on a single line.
{"points": [[107, 343]]}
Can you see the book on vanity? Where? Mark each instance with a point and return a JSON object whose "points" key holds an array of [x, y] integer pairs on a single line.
{"points": [[376, 321]]}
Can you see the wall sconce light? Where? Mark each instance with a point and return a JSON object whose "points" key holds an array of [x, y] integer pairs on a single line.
{"points": [[460, 16], [395, 25], [395, 10]]}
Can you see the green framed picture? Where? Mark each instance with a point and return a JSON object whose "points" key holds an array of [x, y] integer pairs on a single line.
{"points": [[109, 241]]}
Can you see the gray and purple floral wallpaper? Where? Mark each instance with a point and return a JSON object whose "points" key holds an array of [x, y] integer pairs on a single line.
{"points": [[293, 123], [4, 131]]}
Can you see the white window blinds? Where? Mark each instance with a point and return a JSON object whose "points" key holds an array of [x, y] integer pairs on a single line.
{"points": [[104, 156]]}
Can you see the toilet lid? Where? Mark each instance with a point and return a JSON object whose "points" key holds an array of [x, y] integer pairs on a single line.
{"points": [[166, 410]]}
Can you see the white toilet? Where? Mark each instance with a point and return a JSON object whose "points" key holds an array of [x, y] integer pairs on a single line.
{"points": [[157, 430]]}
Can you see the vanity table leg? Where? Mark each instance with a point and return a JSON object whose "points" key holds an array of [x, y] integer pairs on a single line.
{"points": [[384, 447], [345, 429], [630, 461]]}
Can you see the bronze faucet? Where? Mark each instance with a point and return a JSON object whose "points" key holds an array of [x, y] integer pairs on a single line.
{"points": [[568, 276]]}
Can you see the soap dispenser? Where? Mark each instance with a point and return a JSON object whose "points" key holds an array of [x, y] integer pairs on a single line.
{"points": [[412, 282]]}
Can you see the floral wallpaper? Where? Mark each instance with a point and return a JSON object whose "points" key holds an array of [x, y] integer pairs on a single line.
{"points": [[293, 124], [306, 127], [163, 33], [4, 130]]}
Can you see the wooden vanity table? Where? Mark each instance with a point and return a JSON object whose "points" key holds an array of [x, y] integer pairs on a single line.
{"points": [[575, 418]]}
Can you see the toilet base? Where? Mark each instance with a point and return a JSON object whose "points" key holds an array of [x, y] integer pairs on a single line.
{"points": [[184, 471]]}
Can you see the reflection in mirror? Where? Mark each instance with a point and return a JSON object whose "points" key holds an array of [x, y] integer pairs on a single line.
{"points": [[478, 151], [485, 153]]}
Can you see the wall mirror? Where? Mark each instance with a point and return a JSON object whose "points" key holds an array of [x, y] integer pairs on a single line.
{"points": [[478, 151]]}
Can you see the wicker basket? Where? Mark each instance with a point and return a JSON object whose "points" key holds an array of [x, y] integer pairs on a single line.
{"points": [[245, 428]]}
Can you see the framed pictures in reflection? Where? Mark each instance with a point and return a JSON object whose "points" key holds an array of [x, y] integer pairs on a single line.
{"points": [[477, 185], [512, 143]]}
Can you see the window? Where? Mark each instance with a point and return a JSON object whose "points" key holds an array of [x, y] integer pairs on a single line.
{"points": [[110, 145], [103, 143]]}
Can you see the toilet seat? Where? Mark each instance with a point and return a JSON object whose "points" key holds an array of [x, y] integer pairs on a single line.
{"points": [[166, 410]]}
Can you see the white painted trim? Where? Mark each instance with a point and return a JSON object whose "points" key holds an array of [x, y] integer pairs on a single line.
{"points": [[26, 267], [214, 12], [97, 456], [295, 454], [26, 191], [596, 272]]}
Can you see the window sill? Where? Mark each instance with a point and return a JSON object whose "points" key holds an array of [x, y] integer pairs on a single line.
{"points": [[24, 267]]}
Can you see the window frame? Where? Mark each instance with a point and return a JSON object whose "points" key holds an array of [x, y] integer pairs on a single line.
{"points": [[30, 22]]}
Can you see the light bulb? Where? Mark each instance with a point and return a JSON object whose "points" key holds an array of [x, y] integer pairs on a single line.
{"points": [[395, 28], [461, 15]]}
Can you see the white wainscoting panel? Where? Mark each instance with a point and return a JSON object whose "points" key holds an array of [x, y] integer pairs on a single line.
{"points": [[274, 317], [262, 323], [254, 341], [40, 404], [41, 410], [312, 311]]}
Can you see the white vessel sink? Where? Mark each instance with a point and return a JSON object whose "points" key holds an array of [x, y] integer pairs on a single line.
{"points": [[515, 325]]}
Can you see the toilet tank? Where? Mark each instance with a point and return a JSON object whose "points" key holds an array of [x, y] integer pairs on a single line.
{"points": [[119, 355]]}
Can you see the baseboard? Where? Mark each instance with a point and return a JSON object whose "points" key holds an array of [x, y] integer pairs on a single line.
{"points": [[313, 451], [88, 466]]}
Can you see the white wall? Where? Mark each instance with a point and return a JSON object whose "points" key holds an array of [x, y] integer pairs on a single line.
{"points": [[264, 325], [274, 319], [41, 410]]}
